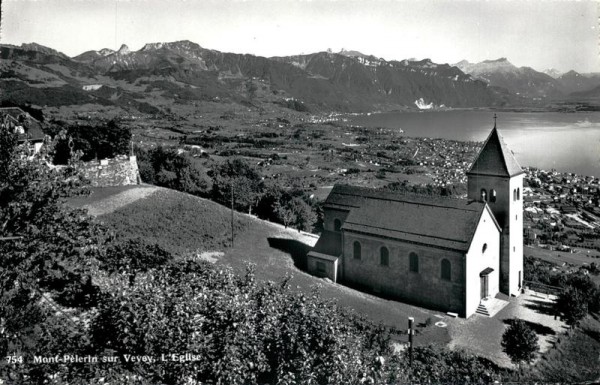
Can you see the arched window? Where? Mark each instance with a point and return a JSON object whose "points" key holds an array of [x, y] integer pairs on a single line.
{"points": [[384, 256], [356, 250], [518, 193], [483, 195], [484, 248], [413, 262], [337, 225], [492, 195], [446, 270]]}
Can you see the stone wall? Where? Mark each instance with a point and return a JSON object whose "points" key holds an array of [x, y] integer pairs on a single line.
{"points": [[120, 171], [425, 287]]}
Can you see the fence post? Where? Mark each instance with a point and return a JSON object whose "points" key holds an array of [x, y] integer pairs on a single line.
{"points": [[411, 321]]}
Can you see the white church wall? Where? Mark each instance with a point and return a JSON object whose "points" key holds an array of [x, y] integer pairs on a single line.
{"points": [[509, 214], [515, 236], [477, 260]]}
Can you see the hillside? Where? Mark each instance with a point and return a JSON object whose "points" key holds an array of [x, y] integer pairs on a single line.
{"points": [[186, 224]]}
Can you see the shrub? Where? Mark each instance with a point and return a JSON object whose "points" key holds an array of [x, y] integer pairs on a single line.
{"points": [[167, 168], [519, 342], [103, 141], [240, 332]]}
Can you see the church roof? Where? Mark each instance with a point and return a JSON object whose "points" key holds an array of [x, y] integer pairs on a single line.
{"points": [[433, 221], [495, 158], [329, 243]]}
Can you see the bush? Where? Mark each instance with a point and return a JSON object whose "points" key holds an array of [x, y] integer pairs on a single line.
{"points": [[572, 305], [519, 342], [239, 331], [167, 168], [103, 141], [441, 366], [133, 256], [247, 184]]}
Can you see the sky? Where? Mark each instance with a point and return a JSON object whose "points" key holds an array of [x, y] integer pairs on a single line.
{"points": [[541, 34]]}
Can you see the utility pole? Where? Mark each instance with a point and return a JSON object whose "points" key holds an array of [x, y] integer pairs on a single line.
{"points": [[232, 234], [411, 332]]}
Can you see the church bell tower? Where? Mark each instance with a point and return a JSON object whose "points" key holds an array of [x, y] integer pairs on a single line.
{"points": [[497, 179]]}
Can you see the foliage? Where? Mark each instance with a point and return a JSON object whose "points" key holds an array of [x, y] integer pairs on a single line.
{"points": [[437, 365], [54, 249], [133, 256], [519, 341], [245, 180], [239, 332], [101, 142], [589, 298], [572, 305], [288, 207], [167, 168]]}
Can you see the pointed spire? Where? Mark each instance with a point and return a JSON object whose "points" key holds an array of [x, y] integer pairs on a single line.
{"points": [[494, 158]]}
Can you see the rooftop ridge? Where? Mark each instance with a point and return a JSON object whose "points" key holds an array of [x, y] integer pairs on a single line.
{"points": [[408, 197], [495, 158]]}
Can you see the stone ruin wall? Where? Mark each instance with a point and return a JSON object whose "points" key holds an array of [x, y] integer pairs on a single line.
{"points": [[119, 171]]}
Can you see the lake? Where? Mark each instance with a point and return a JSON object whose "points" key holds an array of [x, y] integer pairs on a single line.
{"points": [[567, 142]]}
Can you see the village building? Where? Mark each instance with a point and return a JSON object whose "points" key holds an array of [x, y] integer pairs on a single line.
{"points": [[443, 253], [27, 128]]}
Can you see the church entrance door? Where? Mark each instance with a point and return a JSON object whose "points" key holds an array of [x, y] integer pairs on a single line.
{"points": [[484, 286]]}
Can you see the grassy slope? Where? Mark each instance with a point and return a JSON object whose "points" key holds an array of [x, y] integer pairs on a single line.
{"points": [[573, 359], [183, 223], [178, 222]]}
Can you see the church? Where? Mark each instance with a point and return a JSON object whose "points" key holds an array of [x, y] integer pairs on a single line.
{"points": [[442, 253]]}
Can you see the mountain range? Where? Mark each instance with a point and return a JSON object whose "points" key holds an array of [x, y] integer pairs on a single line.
{"points": [[159, 74], [527, 82]]}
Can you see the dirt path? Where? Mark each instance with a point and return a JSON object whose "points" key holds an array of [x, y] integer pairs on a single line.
{"points": [[115, 202]]}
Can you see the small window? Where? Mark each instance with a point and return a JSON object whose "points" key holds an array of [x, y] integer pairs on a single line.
{"points": [[492, 195], [518, 193], [321, 267], [484, 248], [384, 256], [337, 225], [520, 281], [357, 250], [483, 195], [413, 261], [446, 270], [514, 194]]}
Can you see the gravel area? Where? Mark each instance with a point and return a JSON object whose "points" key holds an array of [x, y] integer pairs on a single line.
{"points": [[482, 335]]}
